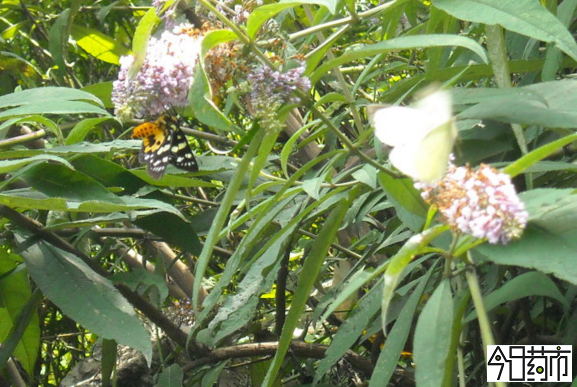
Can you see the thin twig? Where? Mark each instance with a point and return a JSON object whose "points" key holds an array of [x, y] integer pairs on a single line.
{"points": [[298, 348], [23, 138]]}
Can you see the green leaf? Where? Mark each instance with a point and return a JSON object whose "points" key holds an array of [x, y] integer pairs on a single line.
{"points": [[289, 144], [89, 222], [140, 40], [214, 38], [410, 207], [536, 155], [551, 233], [109, 352], [27, 314], [399, 262], [254, 236], [54, 107], [312, 186], [171, 180], [82, 128], [352, 328], [26, 199], [84, 295], [261, 14], [345, 290], [59, 181], [200, 98], [433, 337], [528, 284], [43, 95], [525, 17], [200, 95], [15, 293], [549, 104], [58, 38], [12, 165], [98, 45], [397, 337], [173, 229], [310, 272], [238, 309], [107, 173], [140, 276], [171, 376], [402, 43], [102, 91], [38, 122], [331, 5], [366, 175], [221, 217]]}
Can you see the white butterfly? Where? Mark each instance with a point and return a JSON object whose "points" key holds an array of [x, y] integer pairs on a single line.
{"points": [[422, 136]]}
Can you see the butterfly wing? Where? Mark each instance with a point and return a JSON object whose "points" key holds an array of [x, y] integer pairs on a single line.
{"points": [[397, 125], [426, 160], [422, 136], [156, 145], [181, 154]]}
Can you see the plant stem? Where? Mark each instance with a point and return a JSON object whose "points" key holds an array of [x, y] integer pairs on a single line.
{"points": [[498, 56], [345, 20], [484, 325]]}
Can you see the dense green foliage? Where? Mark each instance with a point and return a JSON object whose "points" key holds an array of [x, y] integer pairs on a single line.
{"points": [[296, 231]]}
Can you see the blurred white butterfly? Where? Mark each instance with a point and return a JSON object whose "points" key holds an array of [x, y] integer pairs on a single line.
{"points": [[422, 136]]}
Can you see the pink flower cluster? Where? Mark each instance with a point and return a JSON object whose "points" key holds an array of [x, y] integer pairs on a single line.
{"points": [[482, 203], [164, 79]]}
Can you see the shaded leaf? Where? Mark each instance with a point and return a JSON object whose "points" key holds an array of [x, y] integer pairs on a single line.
{"points": [[84, 295], [171, 376], [15, 293], [525, 285], [173, 229], [310, 272], [433, 337], [525, 17], [397, 337], [401, 43]]}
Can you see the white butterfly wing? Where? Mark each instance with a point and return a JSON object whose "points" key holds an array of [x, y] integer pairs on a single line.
{"points": [[397, 125], [426, 160], [422, 136]]}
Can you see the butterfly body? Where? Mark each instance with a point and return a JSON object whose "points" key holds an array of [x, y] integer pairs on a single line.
{"points": [[164, 143]]}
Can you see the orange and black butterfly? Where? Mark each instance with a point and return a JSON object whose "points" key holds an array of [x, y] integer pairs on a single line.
{"points": [[164, 143]]}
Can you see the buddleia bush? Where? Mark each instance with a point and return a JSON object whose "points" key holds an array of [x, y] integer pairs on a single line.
{"points": [[301, 193]]}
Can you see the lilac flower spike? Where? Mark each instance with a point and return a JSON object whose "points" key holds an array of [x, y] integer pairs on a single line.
{"points": [[482, 203], [164, 78]]}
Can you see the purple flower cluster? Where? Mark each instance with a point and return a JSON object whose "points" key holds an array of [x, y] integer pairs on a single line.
{"points": [[276, 85], [481, 203], [270, 89], [164, 78]]}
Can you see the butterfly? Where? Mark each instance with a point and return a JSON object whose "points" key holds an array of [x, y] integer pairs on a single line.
{"points": [[164, 143], [422, 136]]}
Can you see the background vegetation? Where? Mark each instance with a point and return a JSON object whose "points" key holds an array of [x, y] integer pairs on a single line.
{"points": [[284, 237]]}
